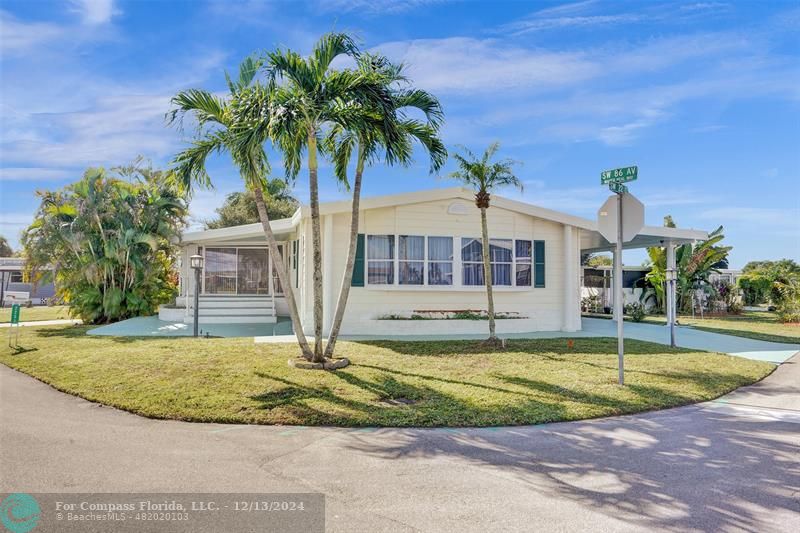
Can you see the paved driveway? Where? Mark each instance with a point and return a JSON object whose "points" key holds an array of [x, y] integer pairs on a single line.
{"points": [[727, 465]]}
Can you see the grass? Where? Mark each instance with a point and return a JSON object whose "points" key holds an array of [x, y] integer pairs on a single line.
{"points": [[759, 325], [28, 314], [387, 384]]}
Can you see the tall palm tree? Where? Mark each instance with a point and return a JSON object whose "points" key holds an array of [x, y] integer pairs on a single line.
{"points": [[307, 96], [484, 176], [370, 142], [219, 122]]}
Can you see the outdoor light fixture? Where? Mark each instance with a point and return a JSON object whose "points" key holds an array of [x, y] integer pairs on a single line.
{"points": [[196, 262]]}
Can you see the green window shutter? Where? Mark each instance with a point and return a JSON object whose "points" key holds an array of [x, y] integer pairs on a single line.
{"points": [[358, 267], [538, 266]]}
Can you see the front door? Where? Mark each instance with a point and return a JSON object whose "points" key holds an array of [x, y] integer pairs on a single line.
{"points": [[253, 272]]}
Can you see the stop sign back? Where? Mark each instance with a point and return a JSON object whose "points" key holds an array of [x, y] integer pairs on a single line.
{"points": [[632, 217]]}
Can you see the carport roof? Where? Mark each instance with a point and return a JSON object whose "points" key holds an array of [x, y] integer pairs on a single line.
{"points": [[592, 241]]}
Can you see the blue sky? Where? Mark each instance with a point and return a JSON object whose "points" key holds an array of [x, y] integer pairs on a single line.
{"points": [[703, 96]]}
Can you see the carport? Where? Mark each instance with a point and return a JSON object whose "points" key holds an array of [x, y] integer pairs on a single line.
{"points": [[648, 237]]}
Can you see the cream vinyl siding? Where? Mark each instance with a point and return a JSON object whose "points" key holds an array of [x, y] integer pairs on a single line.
{"points": [[433, 219]]}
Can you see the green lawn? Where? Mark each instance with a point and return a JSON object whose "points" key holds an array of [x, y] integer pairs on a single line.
{"points": [[387, 384], [27, 314], [759, 325], [752, 324]]}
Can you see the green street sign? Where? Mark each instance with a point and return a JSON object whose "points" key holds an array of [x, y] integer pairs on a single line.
{"points": [[15, 314], [619, 175], [617, 187]]}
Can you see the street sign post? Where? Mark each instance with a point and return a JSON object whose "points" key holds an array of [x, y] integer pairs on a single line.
{"points": [[14, 321], [619, 175], [617, 187], [619, 220]]}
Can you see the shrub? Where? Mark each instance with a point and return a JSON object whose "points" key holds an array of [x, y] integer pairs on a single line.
{"points": [[636, 311], [735, 308], [112, 242]]}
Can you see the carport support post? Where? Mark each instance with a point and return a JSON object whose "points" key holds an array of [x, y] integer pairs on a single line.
{"points": [[618, 307], [671, 275]]}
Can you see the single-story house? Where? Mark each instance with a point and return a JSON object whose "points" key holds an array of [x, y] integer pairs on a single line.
{"points": [[15, 289], [418, 254]]}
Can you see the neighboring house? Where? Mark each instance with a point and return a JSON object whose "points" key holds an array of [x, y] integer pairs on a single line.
{"points": [[13, 289], [417, 252], [728, 275], [597, 281]]}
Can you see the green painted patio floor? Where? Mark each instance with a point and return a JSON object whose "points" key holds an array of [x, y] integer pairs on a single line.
{"points": [[151, 326]]}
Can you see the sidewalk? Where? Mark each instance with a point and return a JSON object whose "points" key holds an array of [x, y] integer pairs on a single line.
{"points": [[58, 322]]}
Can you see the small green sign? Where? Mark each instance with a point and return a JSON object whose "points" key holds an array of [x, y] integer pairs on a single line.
{"points": [[617, 187], [15, 314], [619, 175]]}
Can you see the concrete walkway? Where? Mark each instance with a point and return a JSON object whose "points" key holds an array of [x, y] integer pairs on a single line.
{"points": [[57, 322], [729, 465], [686, 337]]}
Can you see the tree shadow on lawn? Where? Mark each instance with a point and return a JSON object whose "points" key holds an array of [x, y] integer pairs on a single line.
{"points": [[398, 403], [669, 470], [424, 403], [580, 346]]}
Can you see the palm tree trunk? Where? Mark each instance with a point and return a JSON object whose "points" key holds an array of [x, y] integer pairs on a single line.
{"points": [[347, 279], [288, 290], [487, 272], [313, 186]]}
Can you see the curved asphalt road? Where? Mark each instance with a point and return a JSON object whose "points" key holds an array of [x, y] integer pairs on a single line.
{"points": [[728, 465]]}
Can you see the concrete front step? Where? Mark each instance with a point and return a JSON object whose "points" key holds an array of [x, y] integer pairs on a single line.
{"points": [[236, 312], [235, 319], [223, 306]]}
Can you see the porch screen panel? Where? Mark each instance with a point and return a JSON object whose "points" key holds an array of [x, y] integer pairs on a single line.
{"points": [[252, 274], [220, 271]]}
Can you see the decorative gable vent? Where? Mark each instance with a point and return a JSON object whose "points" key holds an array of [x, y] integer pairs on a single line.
{"points": [[458, 208]]}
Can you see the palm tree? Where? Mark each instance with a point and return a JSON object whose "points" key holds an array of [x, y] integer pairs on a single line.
{"points": [[369, 142], [484, 176], [219, 122], [5, 248], [306, 97]]}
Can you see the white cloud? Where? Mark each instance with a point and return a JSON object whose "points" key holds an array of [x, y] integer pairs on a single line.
{"points": [[37, 173], [374, 6], [19, 36], [468, 65], [95, 12], [522, 27], [48, 124]]}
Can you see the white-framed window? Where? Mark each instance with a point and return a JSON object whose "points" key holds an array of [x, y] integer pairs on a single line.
{"points": [[16, 276], [501, 258], [380, 259], [431, 261], [522, 256], [440, 260], [411, 260]]}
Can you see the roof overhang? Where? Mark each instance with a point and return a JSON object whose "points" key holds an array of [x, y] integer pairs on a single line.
{"points": [[255, 232], [591, 240], [650, 236], [450, 193]]}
